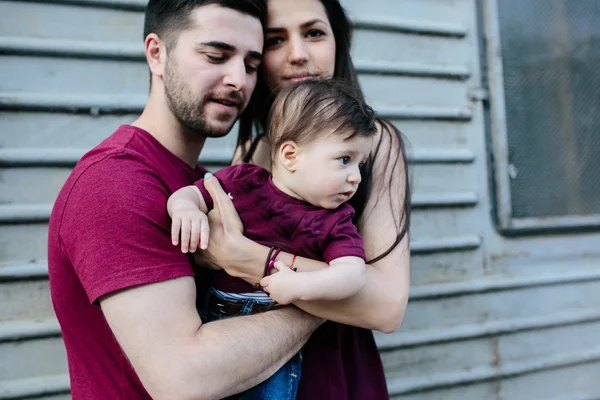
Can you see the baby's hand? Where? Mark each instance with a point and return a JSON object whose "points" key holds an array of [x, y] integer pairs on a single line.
{"points": [[281, 284], [193, 224]]}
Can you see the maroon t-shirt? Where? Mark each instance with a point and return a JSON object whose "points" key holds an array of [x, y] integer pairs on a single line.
{"points": [[274, 218], [110, 230], [339, 362]]}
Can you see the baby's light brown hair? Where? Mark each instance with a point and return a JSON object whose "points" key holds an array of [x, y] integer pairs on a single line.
{"points": [[306, 110]]}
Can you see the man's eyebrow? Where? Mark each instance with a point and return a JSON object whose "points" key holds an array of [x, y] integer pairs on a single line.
{"points": [[219, 45], [303, 26], [227, 47]]}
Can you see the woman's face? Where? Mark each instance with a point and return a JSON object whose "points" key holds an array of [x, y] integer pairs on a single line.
{"points": [[299, 42]]}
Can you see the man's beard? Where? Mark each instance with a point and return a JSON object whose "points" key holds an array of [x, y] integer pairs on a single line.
{"points": [[189, 112]]}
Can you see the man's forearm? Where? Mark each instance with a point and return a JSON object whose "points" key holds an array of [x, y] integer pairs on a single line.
{"points": [[235, 354]]}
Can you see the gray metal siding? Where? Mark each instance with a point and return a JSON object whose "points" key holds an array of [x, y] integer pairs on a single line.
{"points": [[489, 317]]}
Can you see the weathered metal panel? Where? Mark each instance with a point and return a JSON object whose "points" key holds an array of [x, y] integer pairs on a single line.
{"points": [[489, 317]]}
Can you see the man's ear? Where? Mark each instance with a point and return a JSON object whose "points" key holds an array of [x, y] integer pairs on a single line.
{"points": [[156, 54], [288, 155]]}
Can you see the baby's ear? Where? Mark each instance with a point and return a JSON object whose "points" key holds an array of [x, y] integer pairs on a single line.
{"points": [[287, 155]]}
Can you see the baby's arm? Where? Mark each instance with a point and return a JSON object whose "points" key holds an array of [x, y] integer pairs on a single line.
{"points": [[344, 278], [187, 210]]}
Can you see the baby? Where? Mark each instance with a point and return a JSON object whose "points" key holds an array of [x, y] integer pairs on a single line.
{"points": [[321, 134]]}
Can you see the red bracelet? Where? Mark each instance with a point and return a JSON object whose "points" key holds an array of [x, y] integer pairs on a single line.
{"points": [[272, 261], [266, 269]]}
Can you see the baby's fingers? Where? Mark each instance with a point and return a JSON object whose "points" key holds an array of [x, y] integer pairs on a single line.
{"points": [[195, 234], [204, 233], [185, 235], [175, 228]]}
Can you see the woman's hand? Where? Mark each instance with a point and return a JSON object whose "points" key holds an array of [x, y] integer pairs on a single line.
{"points": [[228, 249]]}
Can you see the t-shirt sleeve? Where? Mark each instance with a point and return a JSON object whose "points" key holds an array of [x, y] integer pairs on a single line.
{"points": [[343, 239], [115, 228]]}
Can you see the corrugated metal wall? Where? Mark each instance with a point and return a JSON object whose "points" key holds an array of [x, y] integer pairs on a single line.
{"points": [[489, 317]]}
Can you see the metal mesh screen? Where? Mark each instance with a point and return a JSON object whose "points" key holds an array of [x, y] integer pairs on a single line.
{"points": [[551, 60]]}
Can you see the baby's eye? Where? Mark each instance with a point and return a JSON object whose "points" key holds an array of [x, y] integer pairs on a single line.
{"points": [[344, 160]]}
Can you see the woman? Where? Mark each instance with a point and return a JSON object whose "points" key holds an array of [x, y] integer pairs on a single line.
{"points": [[311, 38]]}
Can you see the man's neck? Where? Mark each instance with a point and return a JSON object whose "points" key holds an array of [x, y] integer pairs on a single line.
{"points": [[159, 122]]}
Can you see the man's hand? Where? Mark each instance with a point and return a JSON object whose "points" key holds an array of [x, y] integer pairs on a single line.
{"points": [[228, 249], [281, 285], [192, 223]]}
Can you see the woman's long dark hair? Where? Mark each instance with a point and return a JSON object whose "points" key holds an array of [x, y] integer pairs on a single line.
{"points": [[255, 116]]}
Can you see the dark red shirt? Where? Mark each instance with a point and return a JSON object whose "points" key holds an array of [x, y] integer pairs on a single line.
{"points": [[274, 218], [110, 230]]}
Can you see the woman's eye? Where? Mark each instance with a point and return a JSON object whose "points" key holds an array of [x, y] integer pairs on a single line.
{"points": [[273, 41], [251, 68], [344, 160], [315, 33]]}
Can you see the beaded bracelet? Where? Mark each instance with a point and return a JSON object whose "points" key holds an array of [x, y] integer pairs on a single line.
{"points": [[272, 261]]}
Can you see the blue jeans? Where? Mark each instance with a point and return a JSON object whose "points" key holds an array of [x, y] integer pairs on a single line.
{"points": [[283, 385]]}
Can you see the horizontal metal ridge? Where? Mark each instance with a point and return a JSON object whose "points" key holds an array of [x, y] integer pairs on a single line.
{"points": [[135, 51], [71, 48], [19, 330], [486, 373], [419, 27], [41, 211], [38, 386], [423, 337], [436, 156], [130, 5], [426, 292], [96, 104], [24, 213], [69, 156], [424, 113], [23, 271], [413, 69], [431, 200], [459, 243], [27, 213]]}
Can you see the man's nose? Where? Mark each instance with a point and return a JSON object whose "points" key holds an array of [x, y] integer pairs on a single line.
{"points": [[235, 76]]}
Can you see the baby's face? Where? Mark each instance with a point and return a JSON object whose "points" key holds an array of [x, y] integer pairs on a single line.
{"points": [[329, 169]]}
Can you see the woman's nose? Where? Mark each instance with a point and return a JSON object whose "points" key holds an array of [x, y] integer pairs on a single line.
{"points": [[298, 53]]}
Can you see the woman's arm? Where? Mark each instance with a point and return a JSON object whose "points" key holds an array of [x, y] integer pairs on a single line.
{"points": [[344, 278], [381, 304]]}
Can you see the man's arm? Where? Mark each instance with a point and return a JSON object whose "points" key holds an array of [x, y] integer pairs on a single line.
{"points": [[178, 357]]}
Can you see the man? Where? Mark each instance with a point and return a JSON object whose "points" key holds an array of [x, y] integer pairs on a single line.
{"points": [[123, 294]]}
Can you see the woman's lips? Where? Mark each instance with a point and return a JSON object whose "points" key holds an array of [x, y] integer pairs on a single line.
{"points": [[298, 78]]}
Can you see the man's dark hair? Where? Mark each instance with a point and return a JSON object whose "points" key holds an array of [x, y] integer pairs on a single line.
{"points": [[167, 18], [308, 110]]}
